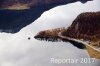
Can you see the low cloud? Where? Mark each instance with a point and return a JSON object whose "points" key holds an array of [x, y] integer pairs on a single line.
{"points": [[17, 50]]}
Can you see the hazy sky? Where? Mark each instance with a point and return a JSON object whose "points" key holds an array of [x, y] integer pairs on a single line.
{"points": [[17, 50]]}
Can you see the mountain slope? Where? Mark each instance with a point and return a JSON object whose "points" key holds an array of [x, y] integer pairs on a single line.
{"points": [[86, 26], [83, 33]]}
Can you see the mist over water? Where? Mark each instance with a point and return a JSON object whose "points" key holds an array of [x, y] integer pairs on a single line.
{"points": [[17, 50]]}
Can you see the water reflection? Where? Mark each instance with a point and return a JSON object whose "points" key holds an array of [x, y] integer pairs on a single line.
{"points": [[58, 39]]}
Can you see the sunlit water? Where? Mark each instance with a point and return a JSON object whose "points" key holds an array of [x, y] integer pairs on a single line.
{"points": [[17, 50]]}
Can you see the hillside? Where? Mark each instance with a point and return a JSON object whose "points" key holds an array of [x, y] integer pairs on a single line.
{"points": [[83, 33], [86, 26], [49, 35]]}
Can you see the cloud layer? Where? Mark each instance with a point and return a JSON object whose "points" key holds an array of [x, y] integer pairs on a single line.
{"points": [[17, 50]]}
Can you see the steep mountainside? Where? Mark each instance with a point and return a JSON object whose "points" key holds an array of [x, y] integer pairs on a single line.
{"points": [[85, 26], [16, 14]]}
